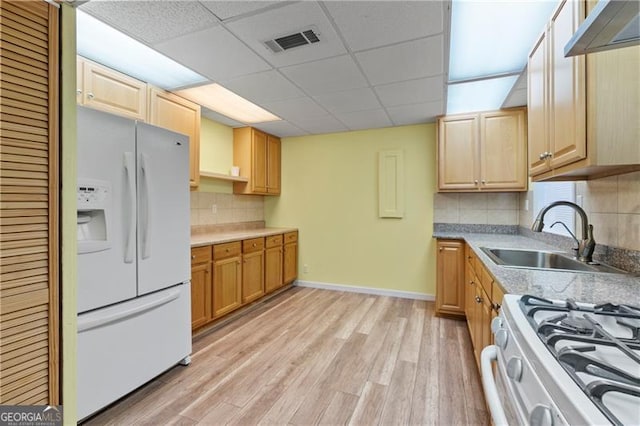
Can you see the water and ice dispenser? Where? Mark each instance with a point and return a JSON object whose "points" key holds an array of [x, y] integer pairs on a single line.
{"points": [[94, 214]]}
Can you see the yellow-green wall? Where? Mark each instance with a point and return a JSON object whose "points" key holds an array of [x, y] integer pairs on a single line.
{"points": [[216, 155], [69, 227], [329, 191]]}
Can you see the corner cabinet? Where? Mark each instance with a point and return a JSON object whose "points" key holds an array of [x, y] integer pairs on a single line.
{"points": [[583, 110], [258, 156], [180, 115], [484, 151], [450, 291]]}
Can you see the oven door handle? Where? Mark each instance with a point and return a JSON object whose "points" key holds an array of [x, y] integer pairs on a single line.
{"points": [[488, 356]]}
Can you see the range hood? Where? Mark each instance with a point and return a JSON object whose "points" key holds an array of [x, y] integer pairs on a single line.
{"points": [[610, 25]]}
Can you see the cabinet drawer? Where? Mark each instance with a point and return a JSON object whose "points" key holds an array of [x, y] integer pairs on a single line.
{"points": [[222, 251], [290, 237], [200, 254], [254, 244], [274, 241]]}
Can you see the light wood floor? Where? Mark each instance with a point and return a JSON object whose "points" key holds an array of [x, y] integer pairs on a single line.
{"points": [[313, 356]]}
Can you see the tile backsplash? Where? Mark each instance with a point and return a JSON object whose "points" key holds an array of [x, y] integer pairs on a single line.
{"points": [[612, 205], [476, 208], [208, 208]]}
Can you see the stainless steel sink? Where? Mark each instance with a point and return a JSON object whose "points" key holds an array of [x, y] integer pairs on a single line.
{"points": [[540, 259]]}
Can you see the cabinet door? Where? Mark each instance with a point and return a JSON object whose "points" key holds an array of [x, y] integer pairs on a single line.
{"points": [[458, 152], [290, 268], [273, 269], [252, 276], [537, 108], [503, 150], [180, 115], [259, 161], [113, 92], [567, 94], [273, 165], [227, 283], [200, 294], [450, 277]]}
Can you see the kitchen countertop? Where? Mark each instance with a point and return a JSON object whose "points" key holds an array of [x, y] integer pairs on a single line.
{"points": [[582, 286], [208, 238]]}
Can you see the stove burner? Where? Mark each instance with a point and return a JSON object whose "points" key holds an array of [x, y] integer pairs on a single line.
{"points": [[580, 325], [588, 331]]}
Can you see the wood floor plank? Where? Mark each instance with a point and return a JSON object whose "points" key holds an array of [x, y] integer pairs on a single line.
{"points": [[310, 356], [369, 407]]}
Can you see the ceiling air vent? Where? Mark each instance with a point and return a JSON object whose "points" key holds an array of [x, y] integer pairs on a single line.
{"points": [[289, 41]]}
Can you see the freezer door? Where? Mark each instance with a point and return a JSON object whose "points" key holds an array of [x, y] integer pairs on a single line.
{"points": [[163, 208], [106, 161]]}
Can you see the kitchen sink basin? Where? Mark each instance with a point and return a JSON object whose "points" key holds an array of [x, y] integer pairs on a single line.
{"points": [[540, 259]]}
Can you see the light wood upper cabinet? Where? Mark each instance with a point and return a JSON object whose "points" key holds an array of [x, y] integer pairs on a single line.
{"points": [[450, 277], [180, 115], [258, 156], [557, 94], [583, 110], [483, 151], [102, 88]]}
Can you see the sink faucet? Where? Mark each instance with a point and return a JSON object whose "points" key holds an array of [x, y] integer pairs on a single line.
{"points": [[587, 244]]}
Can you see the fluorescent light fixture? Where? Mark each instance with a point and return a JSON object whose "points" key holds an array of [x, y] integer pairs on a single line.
{"points": [[481, 95], [103, 44], [489, 38], [225, 102]]}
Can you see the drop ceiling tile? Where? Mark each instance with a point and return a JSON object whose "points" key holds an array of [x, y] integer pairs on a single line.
{"points": [[319, 125], [152, 21], [405, 61], [230, 9], [214, 53], [411, 92], [327, 75], [294, 109], [281, 129], [223, 119], [359, 120], [367, 24], [263, 87], [416, 114], [256, 29], [349, 100]]}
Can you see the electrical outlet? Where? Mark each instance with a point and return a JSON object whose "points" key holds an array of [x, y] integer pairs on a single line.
{"points": [[214, 208], [305, 268]]}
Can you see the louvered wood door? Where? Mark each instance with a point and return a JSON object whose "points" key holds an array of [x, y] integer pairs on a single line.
{"points": [[28, 203]]}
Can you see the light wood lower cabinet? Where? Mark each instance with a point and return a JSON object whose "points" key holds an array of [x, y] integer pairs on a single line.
{"points": [[450, 278], [227, 276], [252, 269], [290, 269], [273, 263], [200, 286]]}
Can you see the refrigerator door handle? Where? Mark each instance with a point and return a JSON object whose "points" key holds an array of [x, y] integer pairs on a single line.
{"points": [[94, 321], [145, 168], [129, 166]]}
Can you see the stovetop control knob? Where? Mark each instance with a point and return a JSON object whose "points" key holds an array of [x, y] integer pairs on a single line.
{"points": [[541, 416], [514, 368], [496, 324], [501, 338]]}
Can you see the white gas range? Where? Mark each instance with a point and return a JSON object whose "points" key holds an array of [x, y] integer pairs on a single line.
{"points": [[562, 362]]}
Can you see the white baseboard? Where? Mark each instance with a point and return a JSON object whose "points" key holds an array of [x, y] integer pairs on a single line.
{"points": [[366, 290]]}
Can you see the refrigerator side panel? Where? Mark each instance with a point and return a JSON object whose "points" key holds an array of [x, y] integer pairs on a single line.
{"points": [[106, 209], [163, 208]]}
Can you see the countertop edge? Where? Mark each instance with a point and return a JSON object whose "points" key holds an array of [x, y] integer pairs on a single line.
{"points": [[207, 239]]}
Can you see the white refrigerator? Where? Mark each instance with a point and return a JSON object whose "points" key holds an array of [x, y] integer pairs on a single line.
{"points": [[134, 304]]}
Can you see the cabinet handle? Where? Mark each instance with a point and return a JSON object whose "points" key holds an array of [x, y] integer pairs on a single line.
{"points": [[475, 181], [193, 256], [227, 250], [440, 249], [478, 299], [254, 244], [484, 182], [78, 91], [542, 156], [471, 282], [90, 95]]}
